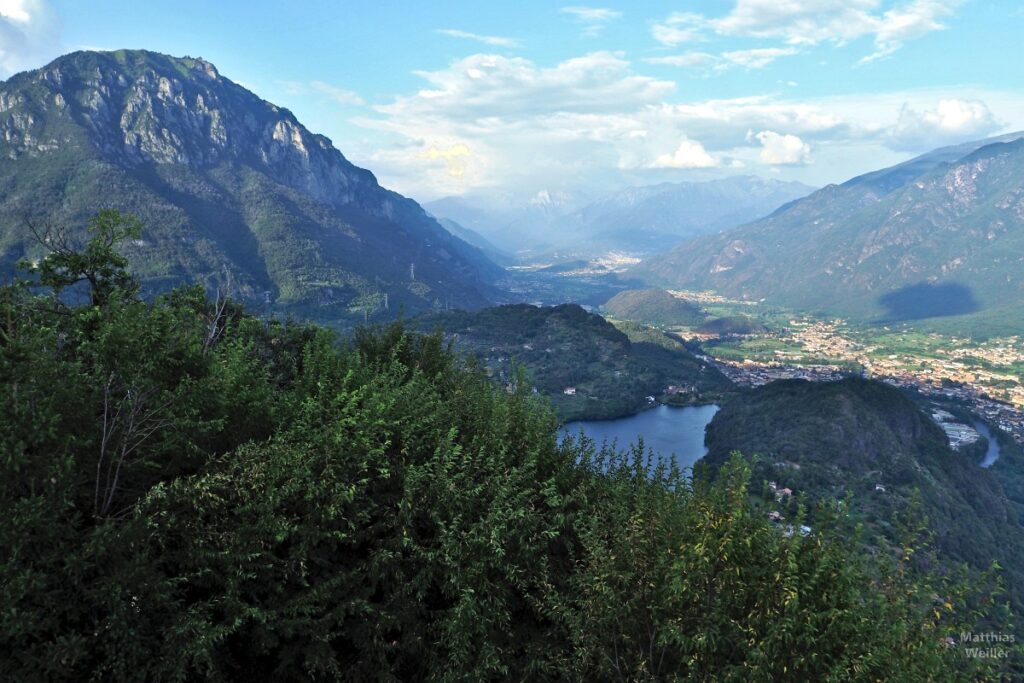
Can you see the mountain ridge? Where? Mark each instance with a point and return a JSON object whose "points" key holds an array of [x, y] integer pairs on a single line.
{"points": [[927, 238], [644, 219], [224, 180]]}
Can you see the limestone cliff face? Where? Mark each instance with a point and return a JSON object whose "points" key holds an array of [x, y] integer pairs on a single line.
{"points": [[140, 107], [197, 153]]}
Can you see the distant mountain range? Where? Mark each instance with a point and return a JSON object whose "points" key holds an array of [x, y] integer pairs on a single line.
{"points": [[477, 240], [514, 223], [640, 220], [653, 219], [939, 235], [232, 189]]}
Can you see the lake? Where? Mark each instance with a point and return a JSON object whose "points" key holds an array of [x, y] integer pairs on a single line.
{"points": [[992, 454], [666, 430]]}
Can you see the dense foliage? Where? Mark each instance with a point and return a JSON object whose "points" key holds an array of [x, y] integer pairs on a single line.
{"points": [[733, 324], [193, 493], [653, 306], [824, 440]]}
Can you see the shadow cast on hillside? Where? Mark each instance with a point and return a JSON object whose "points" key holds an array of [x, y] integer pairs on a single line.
{"points": [[925, 300]]}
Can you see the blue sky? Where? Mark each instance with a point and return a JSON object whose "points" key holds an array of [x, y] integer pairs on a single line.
{"points": [[476, 98]]}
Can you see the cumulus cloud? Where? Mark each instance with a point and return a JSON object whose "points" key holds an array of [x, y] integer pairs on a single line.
{"points": [[481, 88], [689, 154], [494, 41], [812, 22], [520, 119], [29, 35], [591, 120], [798, 23], [951, 121], [782, 150], [580, 119], [593, 19]]}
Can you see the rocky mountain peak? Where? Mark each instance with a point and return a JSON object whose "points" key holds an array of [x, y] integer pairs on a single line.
{"points": [[225, 182], [141, 108]]}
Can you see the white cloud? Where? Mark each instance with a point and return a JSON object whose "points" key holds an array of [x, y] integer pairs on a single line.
{"points": [[901, 24], [482, 87], [592, 13], [689, 154], [16, 11], [592, 121], [951, 121], [708, 63], [339, 95], [724, 124], [806, 22], [518, 118], [679, 28], [780, 150], [594, 19], [494, 41], [456, 157], [812, 22], [757, 58], [686, 60], [331, 92], [29, 35]]}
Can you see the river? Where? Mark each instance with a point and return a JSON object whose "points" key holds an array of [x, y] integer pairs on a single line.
{"points": [[992, 454], [665, 429]]}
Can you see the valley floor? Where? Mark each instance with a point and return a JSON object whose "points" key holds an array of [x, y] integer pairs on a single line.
{"points": [[984, 375]]}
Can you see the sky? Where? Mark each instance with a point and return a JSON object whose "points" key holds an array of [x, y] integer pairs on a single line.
{"points": [[516, 98]]}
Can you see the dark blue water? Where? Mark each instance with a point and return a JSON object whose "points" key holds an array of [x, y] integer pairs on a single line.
{"points": [[992, 454], [667, 430]]}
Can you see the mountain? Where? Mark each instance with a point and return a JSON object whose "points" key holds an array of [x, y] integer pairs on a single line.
{"points": [[824, 439], [514, 222], [652, 219], [475, 239], [652, 306], [939, 235], [639, 220], [732, 325], [232, 190], [610, 372]]}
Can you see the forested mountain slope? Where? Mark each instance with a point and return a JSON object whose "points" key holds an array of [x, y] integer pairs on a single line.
{"points": [[234, 191]]}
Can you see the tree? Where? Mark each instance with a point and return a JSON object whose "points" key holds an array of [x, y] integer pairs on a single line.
{"points": [[98, 263]]}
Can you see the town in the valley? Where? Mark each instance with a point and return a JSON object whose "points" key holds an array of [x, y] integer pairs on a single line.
{"points": [[982, 376]]}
